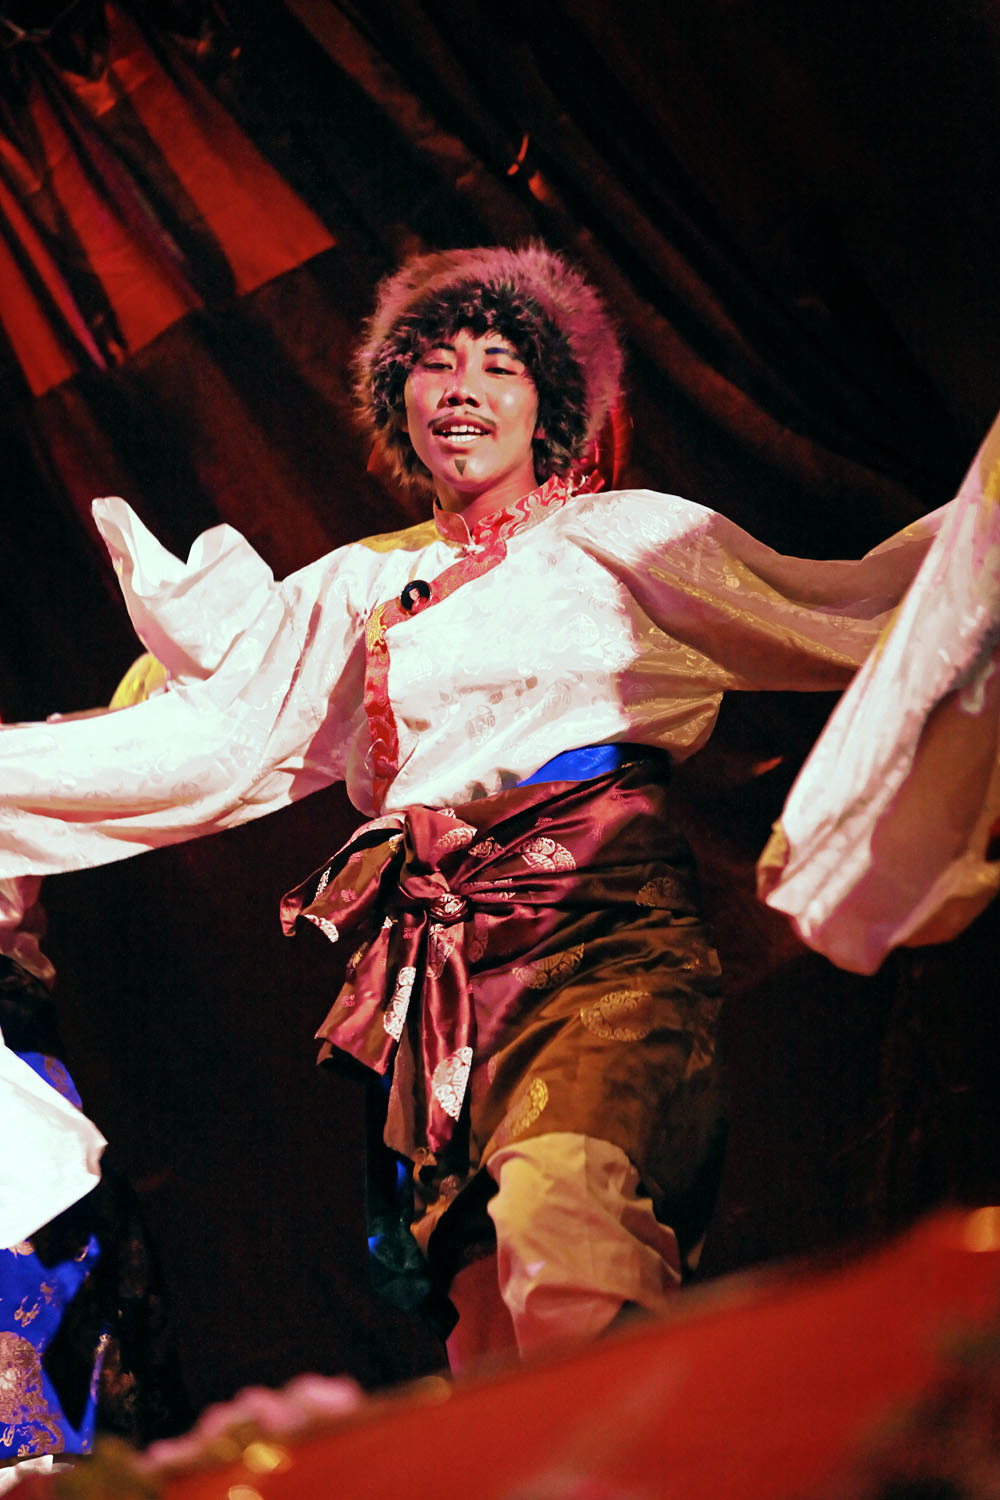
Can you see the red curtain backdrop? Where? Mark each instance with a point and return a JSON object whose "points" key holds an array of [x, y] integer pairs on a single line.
{"points": [[790, 209]]}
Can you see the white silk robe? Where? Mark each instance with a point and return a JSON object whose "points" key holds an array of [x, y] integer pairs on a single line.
{"points": [[568, 619]]}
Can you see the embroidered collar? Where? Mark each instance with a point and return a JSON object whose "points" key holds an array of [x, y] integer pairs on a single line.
{"points": [[503, 523]]}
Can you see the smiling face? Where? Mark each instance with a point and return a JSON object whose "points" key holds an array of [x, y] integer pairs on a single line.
{"points": [[471, 413]]}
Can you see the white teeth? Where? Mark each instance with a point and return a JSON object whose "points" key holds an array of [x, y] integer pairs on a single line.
{"points": [[463, 434]]}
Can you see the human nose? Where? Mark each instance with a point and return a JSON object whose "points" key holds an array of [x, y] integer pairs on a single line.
{"points": [[460, 389]]}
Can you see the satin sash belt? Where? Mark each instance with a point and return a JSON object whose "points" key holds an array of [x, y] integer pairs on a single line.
{"points": [[403, 893]]}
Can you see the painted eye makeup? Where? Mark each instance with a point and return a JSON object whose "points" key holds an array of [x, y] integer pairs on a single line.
{"points": [[439, 357]]}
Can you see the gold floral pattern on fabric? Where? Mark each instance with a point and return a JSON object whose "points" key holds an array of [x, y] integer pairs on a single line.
{"points": [[22, 1398], [523, 1113], [326, 927], [455, 838], [665, 891], [441, 944], [25, 1315], [450, 1079], [546, 854], [486, 848], [615, 1017], [374, 825], [375, 628], [449, 905], [395, 1014], [553, 969]]}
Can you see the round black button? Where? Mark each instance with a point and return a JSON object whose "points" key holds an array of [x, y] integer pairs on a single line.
{"points": [[414, 594]]}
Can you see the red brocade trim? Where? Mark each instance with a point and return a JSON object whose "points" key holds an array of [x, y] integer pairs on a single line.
{"points": [[485, 545], [501, 524]]}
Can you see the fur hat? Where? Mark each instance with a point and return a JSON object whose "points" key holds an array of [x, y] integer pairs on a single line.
{"points": [[533, 297]]}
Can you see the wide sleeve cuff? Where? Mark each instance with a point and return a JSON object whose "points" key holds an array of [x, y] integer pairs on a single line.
{"points": [[886, 836], [188, 614]]}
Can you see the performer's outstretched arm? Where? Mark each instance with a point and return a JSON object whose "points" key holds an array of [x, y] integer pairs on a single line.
{"points": [[257, 713], [885, 838]]}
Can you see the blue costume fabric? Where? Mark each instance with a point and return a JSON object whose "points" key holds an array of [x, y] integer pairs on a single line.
{"points": [[36, 1294]]}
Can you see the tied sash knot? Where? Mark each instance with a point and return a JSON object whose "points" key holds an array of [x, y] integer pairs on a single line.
{"points": [[405, 1002]]}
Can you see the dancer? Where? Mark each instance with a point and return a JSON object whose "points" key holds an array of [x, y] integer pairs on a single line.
{"points": [[503, 688]]}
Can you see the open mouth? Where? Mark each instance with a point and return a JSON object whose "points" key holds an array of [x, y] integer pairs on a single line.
{"points": [[460, 432]]}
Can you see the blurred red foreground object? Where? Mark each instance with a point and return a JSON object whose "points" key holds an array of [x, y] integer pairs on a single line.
{"points": [[759, 1389], [754, 1391]]}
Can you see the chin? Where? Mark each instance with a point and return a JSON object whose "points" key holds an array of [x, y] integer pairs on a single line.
{"points": [[474, 478]]}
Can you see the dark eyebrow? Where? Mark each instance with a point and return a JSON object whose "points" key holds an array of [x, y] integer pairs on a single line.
{"points": [[506, 349]]}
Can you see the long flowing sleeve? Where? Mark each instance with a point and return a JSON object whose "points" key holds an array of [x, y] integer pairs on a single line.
{"points": [[260, 710], [748, 617], [885, 836]]}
